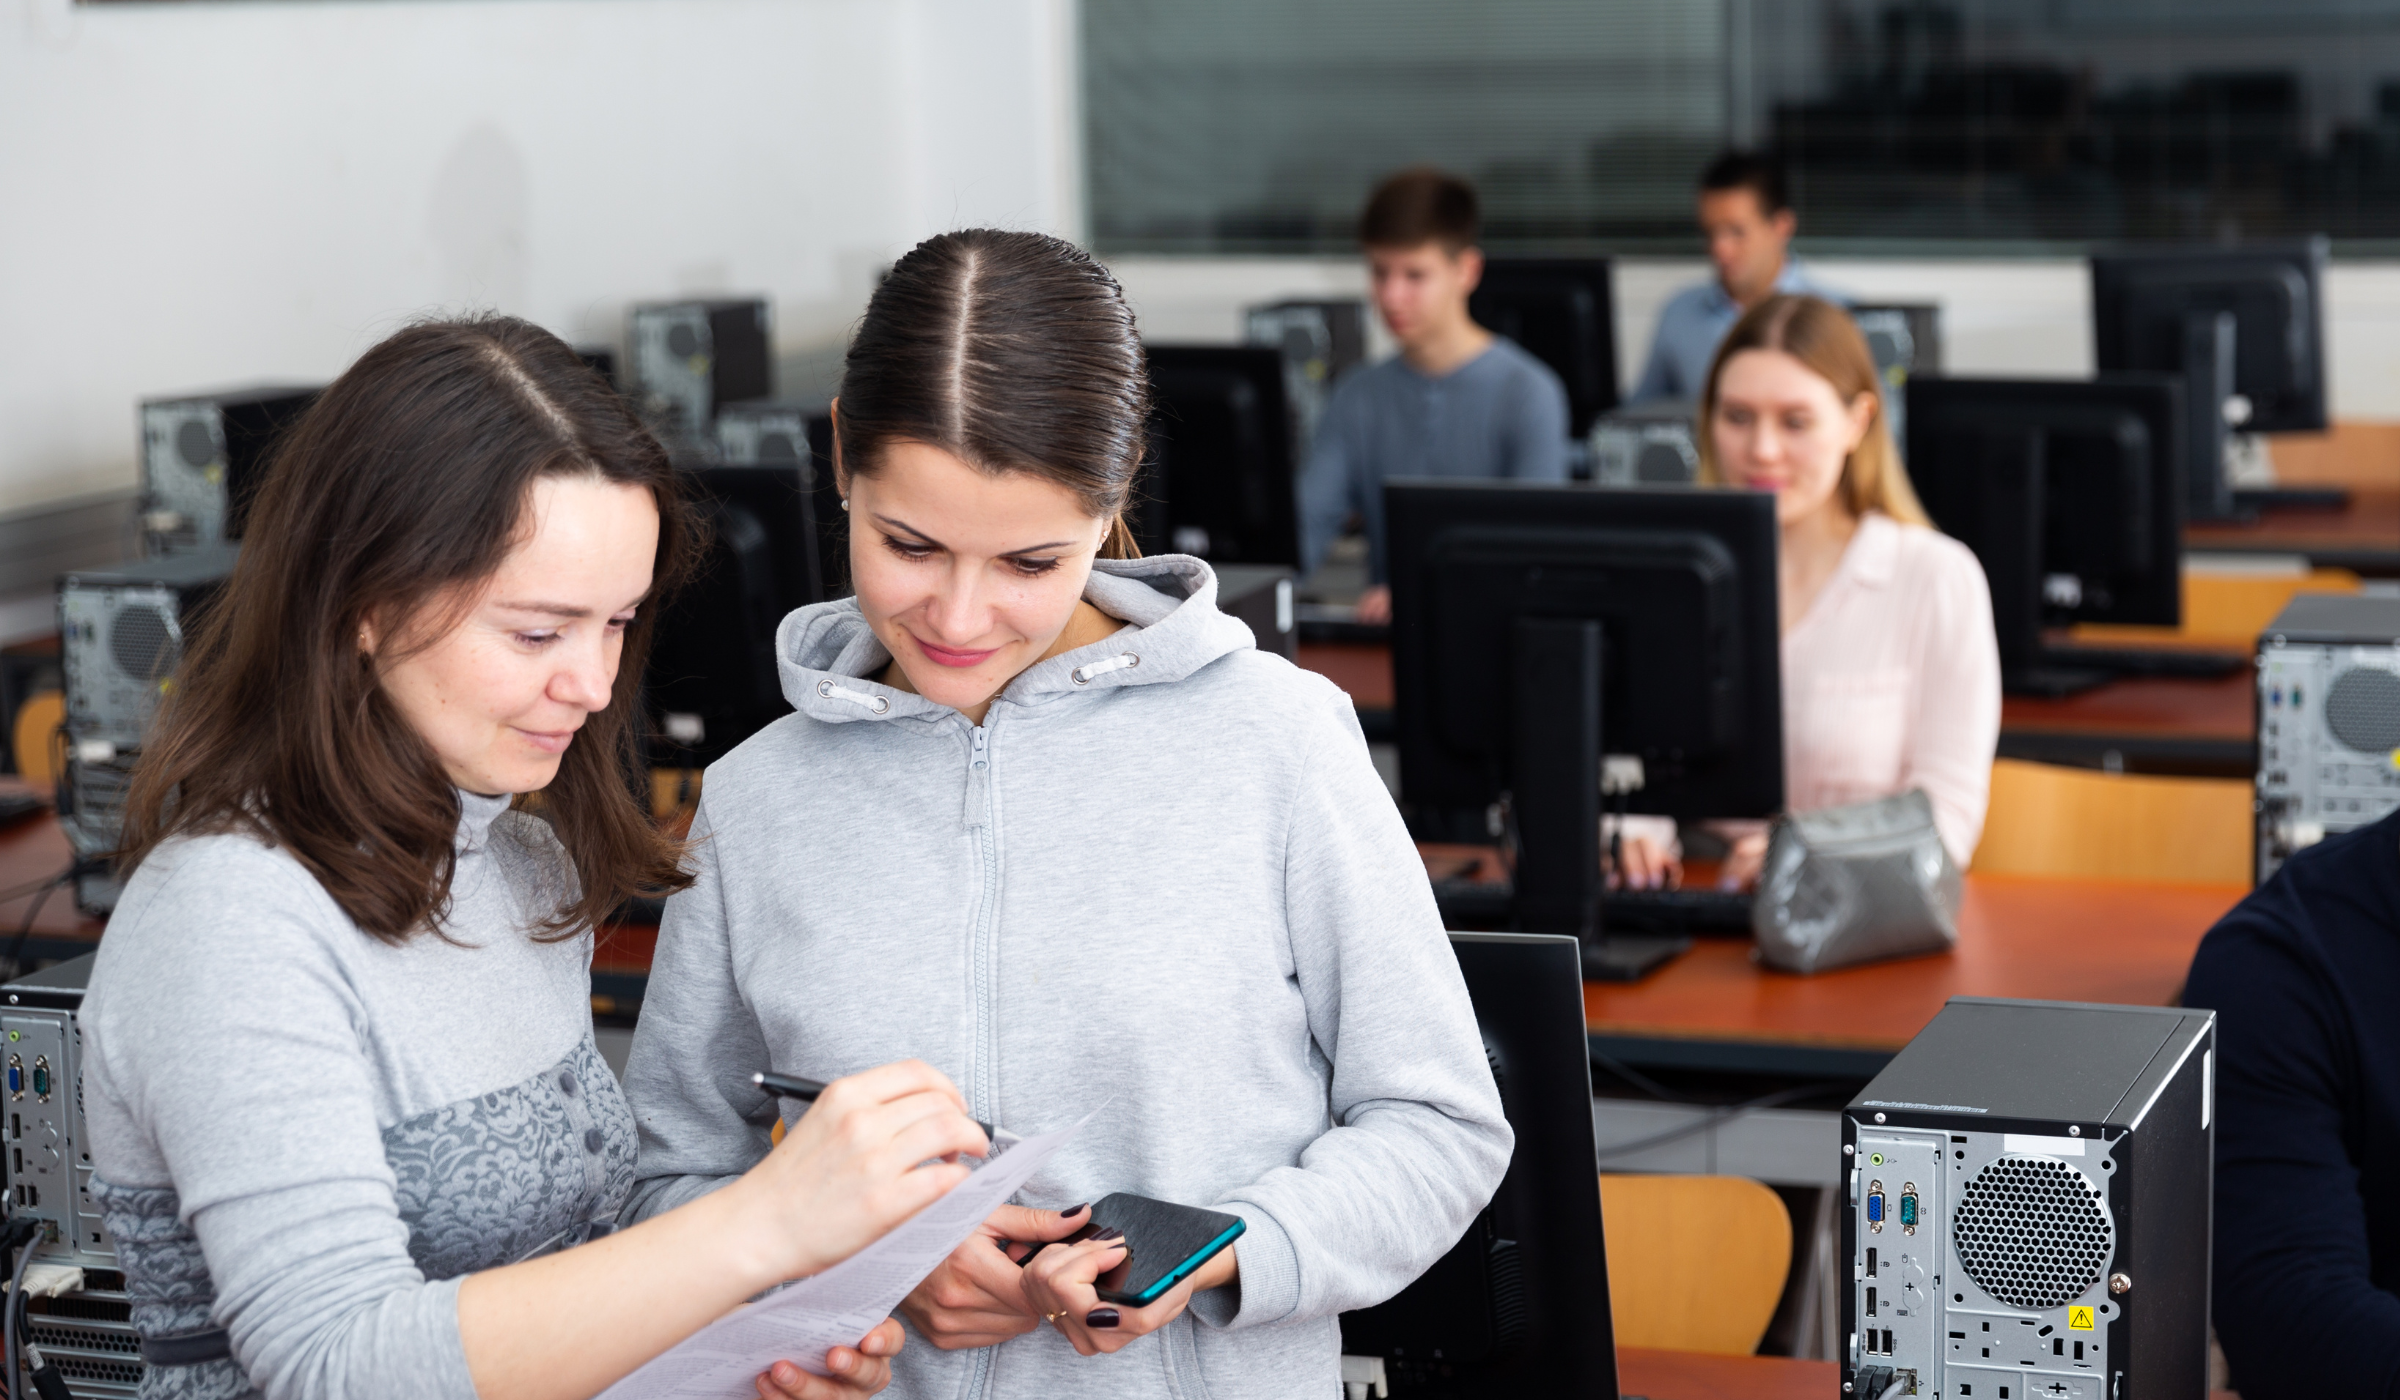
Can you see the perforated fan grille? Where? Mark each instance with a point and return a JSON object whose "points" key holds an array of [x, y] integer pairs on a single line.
{"points": [[2363, 709], [141, 643], [2032, 1232]]}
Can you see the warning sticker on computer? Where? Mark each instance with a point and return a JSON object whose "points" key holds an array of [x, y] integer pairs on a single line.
{"points": [[2080, 1320]]}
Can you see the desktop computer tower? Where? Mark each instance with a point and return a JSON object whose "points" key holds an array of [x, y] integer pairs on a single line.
{"points": [[1903, 340], [2029, 1206], [690, 358], [2328, 721], [767, 431], [1321, 341], [1647, 444], [203, 455], [87, 1331], [121, 633]]}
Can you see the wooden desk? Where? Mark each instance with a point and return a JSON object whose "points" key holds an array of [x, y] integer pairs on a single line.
{"points": [[2152, 725], [1690, 1375], [2207, 727], [2364, 536], [1684, 1375], [2061, 940], [34, 849]]}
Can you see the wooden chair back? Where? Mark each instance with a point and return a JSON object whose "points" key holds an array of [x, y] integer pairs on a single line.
{"points": [[1695, 1263], [2048, 820]]}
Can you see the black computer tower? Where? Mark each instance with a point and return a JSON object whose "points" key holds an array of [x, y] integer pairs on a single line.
{"points": [[203, 456], [2029, 1206], [690, 358]]}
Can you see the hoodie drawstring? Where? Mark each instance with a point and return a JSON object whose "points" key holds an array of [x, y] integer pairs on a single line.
{"points": [[829, 691], [1086, 674]]}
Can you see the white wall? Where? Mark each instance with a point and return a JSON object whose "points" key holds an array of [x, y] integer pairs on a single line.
{"points": [[2015, 317], [199, 194]]}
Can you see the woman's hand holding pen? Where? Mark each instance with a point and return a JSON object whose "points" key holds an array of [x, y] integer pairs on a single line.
{"points": [[977, 1297], [849, 1170], [1059, 1285]]}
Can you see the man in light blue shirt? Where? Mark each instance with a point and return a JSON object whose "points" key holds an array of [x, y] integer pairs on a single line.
{"points": [[1748, 222], [1456, 401]]}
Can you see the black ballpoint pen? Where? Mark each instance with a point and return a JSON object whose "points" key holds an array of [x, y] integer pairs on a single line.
{"points": [[792, 1086]]}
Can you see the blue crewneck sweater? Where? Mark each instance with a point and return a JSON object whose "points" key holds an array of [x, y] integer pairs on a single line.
{"points": [[2304, 976]]}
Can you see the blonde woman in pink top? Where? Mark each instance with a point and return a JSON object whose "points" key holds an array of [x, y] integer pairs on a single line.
{"points": [[1891, 673]]}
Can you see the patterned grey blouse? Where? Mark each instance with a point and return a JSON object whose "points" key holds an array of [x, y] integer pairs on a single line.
{"points": [[295, 1205]]}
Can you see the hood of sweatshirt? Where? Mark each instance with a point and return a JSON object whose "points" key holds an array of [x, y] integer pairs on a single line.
{"points": [[828, 655]]}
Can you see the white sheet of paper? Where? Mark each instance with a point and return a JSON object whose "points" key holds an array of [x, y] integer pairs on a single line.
{"points": [[841, 1305]]}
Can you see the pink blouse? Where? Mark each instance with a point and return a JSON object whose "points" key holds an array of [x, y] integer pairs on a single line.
{"points": [[1891, 681]]}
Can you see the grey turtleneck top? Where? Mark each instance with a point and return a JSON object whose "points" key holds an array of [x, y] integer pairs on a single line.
{"points": [[307, 1136]]}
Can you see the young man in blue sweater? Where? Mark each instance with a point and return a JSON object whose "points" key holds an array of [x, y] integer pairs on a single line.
{"points": [[2304, 976], [1456, 401]]}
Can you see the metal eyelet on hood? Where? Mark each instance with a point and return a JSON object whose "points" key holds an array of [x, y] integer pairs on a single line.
{"points": [[827, 690], [1086, 674]]}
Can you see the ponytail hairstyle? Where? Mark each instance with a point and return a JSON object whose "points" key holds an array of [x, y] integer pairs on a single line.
{"points": [[394, 499], [1821, 336], [1014, 352]]}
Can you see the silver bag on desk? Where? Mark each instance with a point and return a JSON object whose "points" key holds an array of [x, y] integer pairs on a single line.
{"points": [[1856, 884]]}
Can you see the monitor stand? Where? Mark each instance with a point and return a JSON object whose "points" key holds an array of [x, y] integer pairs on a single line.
{"points": [[1555, 797]]}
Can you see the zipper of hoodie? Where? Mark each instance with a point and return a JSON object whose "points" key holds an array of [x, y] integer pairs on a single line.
{"points": [[980, 948]]}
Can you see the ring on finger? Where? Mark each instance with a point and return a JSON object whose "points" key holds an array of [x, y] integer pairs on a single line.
{"points": [[1052, 1317]]}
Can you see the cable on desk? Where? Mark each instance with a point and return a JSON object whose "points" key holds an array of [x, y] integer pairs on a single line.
{"points": [[1717, 1118], [16, 951], [1638, 1079]]}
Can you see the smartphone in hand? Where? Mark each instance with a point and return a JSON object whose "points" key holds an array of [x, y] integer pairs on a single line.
{"points": [[1164, 1244]]}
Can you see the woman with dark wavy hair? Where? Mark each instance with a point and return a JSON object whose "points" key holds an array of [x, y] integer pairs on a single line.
{"points": [[346, 1109]]}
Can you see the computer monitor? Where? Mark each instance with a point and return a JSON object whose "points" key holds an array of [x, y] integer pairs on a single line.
{"points": [[1519, 1307], [711, 680], [1552, 641], [1219, 483], [2069, 492], [2244, 327], [1560, 310]]}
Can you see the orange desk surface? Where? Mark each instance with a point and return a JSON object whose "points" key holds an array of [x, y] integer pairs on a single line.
{"points": [[2364, 535], [33, 849], [1683, 1375], [2128, 942], [2059, 940], [2180, 723]]}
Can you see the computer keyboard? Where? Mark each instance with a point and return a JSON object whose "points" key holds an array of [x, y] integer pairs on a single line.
{"points": [[1694, 911]]}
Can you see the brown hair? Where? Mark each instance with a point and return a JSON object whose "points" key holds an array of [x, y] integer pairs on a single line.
{"points": [[1762, 175], [1821, 336], [400, 491], [1421, 205], [1014, 352]]}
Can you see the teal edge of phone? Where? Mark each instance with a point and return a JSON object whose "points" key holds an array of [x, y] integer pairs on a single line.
{"points": [[1179, 1273]]}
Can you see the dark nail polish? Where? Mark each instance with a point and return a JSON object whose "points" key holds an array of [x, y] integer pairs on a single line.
{"points": [[1100, 1317], [1072, 1211], [1112, 1233]]}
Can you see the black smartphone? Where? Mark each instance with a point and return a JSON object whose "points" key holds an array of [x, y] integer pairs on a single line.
{"points": [[1164, 1243]]}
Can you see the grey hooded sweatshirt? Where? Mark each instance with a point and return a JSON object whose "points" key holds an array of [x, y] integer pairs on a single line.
{"points": [[1161, 876]]}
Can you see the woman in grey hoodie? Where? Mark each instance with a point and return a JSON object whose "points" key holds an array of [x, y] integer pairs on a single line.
{"points": [[1049, 821]]}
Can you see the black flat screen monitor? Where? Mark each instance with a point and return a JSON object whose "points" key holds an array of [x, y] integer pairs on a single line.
{"points": [[1560, 310], [2244, 326], [711, 680], [2070, 494], [1542, 635], [1519, 1307], [1220, 479], [1682, 583]]}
